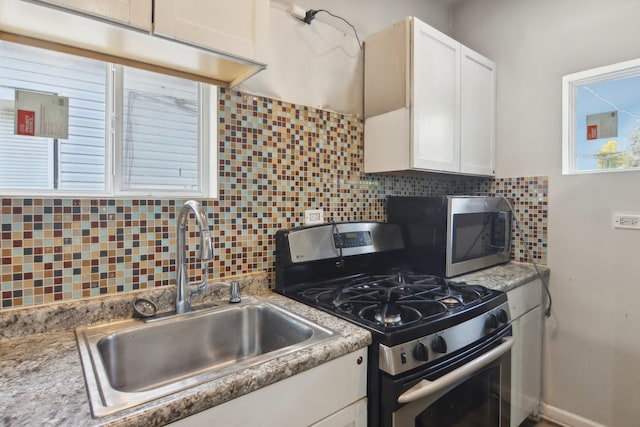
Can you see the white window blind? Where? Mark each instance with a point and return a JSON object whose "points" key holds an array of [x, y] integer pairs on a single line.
{"points": [[151, 130], [24, 162], [80, 159], [160, 131]]}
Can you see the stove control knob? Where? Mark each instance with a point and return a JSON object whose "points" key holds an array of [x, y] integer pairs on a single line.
{"points": [[493, 321], [439, 345], [420, 352], [503, 317]]}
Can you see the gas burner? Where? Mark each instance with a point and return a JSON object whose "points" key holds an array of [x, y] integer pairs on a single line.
{"points": [[393, 300], [451, 302], [457, 294], [389, 318], [390, 315]]}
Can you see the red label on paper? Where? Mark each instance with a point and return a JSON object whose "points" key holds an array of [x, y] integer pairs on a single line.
{"points": [[592, 132], [26, 123]]}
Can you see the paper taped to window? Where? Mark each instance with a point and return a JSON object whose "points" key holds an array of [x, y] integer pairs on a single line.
{"points": [[602, 125], [41, 114]]}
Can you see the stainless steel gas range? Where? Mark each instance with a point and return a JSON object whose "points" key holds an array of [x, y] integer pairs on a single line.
{"points": [[441, 349]]}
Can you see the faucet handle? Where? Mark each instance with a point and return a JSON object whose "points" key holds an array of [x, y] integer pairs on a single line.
{"points": [[235, 292]]}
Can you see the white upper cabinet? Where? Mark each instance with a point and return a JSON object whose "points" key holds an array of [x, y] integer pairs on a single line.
{"points": [[477, 113], [435, 60], [134, 13], [216, 41], [236, 27], [429, 103]]}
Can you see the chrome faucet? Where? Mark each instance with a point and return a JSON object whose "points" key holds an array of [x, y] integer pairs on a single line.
{"points": [[185, 289]]}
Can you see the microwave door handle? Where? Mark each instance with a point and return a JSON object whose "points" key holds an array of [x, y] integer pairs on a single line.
{"points": [[507, 230], [425, 388]]}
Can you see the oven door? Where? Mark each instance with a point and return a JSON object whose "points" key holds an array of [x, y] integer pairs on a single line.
{"points": [[474, 393]]}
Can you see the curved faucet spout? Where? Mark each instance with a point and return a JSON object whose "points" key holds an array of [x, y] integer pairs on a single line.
{"points": [[184, 288]]}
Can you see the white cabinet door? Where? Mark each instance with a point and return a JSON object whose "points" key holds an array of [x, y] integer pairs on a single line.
{"points": [[525, 374], [238, 28], [309, 397], [134, 13], [477, 113], [525, 305], [436, 99]]}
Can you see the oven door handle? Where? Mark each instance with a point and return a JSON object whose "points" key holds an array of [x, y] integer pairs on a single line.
{"points": [[425, 388]]}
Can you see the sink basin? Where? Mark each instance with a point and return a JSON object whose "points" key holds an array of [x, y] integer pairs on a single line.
{"points": [[130, 362]]}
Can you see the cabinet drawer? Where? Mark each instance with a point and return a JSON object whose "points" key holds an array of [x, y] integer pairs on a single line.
{"points": [[524, 298]]}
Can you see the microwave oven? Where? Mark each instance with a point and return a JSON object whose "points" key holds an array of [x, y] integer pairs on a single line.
{"points": [[453, 235]]}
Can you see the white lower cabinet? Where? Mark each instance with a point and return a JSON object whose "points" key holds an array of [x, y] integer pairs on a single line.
{"points": [[354, 415], [330, 395], [525, 305]]}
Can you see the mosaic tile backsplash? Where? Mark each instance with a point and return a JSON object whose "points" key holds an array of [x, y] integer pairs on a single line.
{"points": [[275, 159]]}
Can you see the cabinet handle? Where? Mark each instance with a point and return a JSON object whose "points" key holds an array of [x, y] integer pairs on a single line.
{"points": [[425, 387]]}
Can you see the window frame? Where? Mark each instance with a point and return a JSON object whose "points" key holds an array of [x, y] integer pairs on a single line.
{"points": [[570, 84], [113, 141], [207, 131]]}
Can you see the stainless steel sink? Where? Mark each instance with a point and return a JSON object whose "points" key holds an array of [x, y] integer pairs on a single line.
{"points": [[130, 362]]}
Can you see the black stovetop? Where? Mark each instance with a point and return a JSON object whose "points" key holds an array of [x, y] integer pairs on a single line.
{"points": [[398, 306]]}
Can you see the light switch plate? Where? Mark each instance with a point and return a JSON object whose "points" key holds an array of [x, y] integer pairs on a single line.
{"points": [[313, 216]]}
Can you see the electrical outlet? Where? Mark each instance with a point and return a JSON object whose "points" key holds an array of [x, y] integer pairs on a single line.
{"points": [[313, 216], [298, 12], [626, 220]]}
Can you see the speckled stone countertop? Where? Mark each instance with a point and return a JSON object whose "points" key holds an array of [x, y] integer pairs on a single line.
{"points": [[41, 378], [505, 277]]}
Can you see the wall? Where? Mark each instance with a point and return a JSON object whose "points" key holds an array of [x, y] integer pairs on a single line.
{"points": [[275, 158], [62, 249], [321, 64], [592, 348]]}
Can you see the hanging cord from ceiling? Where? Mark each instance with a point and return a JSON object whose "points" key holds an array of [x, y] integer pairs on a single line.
{"points": [[310, 15]]}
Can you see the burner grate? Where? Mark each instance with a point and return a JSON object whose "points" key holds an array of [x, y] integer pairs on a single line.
{"points": [[393, 301]]}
